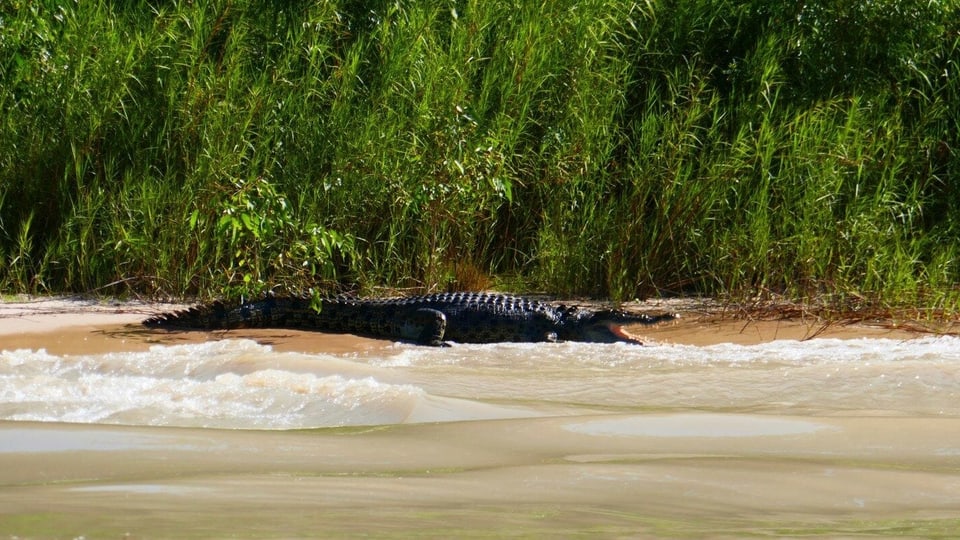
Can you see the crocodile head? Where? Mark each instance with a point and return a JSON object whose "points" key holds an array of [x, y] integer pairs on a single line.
{"points": [[604, 326]]}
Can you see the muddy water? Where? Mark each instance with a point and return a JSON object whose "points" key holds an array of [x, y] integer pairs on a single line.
{"points": [[712, 430]]}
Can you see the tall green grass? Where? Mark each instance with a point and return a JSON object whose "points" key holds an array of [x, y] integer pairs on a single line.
{"points": [[602, 147]]}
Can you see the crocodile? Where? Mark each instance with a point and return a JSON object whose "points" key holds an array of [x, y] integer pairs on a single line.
{"points": [[427, 320]]}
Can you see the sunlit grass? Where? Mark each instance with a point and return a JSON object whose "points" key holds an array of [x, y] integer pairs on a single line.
{"points": [[614, 148]]}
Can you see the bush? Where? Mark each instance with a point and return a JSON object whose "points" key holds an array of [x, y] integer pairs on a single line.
{"points": [[604, 147]]}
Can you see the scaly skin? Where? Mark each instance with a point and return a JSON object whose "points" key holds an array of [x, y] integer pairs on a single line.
{"points": [[427, 320]]}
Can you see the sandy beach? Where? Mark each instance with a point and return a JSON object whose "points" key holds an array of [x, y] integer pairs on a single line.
{"points": [[675, 473], [64, 324]]}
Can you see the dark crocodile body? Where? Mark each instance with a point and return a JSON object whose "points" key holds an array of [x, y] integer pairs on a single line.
{"points": [[428, 320]]}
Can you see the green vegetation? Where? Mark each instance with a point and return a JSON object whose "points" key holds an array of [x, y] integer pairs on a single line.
{"points": [[600, 147]]}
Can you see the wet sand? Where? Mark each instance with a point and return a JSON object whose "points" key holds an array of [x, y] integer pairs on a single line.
{"points": [[676, 474]]}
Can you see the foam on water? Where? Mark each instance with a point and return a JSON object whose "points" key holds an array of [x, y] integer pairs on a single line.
{"points": [[818, 376], [231, 383], [239, 383], [944, 349]]}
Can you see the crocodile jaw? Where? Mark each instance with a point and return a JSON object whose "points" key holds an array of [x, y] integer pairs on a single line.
{"points": [[621, 334]]}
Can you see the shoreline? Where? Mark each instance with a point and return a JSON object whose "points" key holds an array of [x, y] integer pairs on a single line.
{"points": [[84, 325]]}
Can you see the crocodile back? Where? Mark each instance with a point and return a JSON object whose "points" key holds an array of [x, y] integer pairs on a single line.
{"points": [[470, 317], [491, 318]]}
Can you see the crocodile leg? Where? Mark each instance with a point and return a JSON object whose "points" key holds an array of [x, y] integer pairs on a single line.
{"points": [[425, 326]]}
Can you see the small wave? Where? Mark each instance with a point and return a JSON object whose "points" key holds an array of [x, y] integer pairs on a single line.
{"points": [[228, 384], [826, 351], [242, 384], [848, 376], [780, 352]]}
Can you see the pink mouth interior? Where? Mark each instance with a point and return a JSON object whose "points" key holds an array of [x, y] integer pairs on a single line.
{"points": [[620, 333]]}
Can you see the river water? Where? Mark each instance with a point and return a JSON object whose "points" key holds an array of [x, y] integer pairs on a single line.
{"points": [[821, 437], [238, 383]]}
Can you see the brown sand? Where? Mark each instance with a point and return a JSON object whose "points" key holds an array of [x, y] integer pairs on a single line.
{"points": [[704, 475]]}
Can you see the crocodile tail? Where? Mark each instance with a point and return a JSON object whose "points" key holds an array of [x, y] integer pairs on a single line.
{"points": [[209, 316], [218, 315]]}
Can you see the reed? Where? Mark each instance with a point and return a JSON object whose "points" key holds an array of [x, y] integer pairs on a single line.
{"points": [[607, 147]]}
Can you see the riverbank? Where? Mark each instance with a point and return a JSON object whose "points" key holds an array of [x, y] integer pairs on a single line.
{"points": [[83, 325]]}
